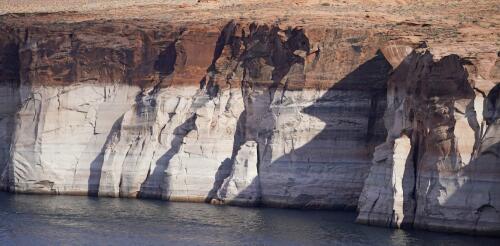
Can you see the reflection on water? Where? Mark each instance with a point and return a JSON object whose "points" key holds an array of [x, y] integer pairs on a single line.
{"points": [[65, 220]]}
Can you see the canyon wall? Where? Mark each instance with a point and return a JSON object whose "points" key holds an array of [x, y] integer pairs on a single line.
{"points": [[244, 113], [439, 168], [253, 114]]}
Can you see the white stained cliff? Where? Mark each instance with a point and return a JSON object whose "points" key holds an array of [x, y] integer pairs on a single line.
{"points": [[59, 132], [242, 186], [439, 167], [168, 112], [250, 115]]}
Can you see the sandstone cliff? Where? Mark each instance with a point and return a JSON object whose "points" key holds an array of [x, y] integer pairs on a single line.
{"points": [[400, 121], [438, 168]]}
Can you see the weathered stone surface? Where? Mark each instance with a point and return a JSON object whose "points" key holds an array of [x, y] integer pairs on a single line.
{"points": [[168, 113], [439, 168], [318, 106], [242, 186]]}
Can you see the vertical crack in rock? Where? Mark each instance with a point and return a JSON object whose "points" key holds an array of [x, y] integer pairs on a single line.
{"points": [[386, 200], [96, 165], [264, 54], [156, 184], [411, 203], [242, 187], [263, 66], [272, 120], [485, 166], [436, 105], [180, 134], [443, 88]]}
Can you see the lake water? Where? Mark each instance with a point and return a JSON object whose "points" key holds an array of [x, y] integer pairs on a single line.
{"points": [[68, 220]]}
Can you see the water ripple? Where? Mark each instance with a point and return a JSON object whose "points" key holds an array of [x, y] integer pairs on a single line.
{"points": [[65, 220]]}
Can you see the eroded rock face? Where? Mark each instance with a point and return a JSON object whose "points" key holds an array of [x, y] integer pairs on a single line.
{"points": [[439, 167], [246, 114], [9, 100], [242, 186], [251, 114]]}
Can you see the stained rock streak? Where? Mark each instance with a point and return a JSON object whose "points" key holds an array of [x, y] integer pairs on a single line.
{"points": [[246, 113]]}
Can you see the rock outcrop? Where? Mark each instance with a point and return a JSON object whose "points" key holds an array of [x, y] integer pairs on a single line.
{"points": [[439, 167], [175, 115], [284, 113]]}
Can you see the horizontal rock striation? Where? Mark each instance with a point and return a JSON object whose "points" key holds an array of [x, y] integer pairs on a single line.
{"points": [[122, 110], [439, 168], [246, 113]]}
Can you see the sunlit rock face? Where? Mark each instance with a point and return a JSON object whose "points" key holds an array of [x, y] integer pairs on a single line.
{"points": [[242, 186], [240, 114], [252, 114], [439, 167], [313, 115]]}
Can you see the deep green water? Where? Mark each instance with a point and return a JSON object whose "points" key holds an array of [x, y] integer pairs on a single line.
{"points": [[68, 220]]}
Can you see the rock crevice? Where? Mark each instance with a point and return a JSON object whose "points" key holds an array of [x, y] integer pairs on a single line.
{"points": [[439, 174], [253, 114]]}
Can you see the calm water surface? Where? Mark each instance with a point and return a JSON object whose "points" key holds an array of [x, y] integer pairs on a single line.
{"points": [[67, 220]]}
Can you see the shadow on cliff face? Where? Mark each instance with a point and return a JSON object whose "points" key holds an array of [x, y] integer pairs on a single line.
{"points": [[266, 59], [226, 37], [267, 54], [160, 61], [328, 171], [441, 93], [224, 169], [96, 165], [430, 102], [477, 199], [441, 99], [449, 177], [10, 102], [154, 185]]}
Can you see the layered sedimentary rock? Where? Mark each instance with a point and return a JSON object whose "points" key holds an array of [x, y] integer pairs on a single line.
{"points": [[165, 112], [338, 113], [439, 167], [242, 186]]}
